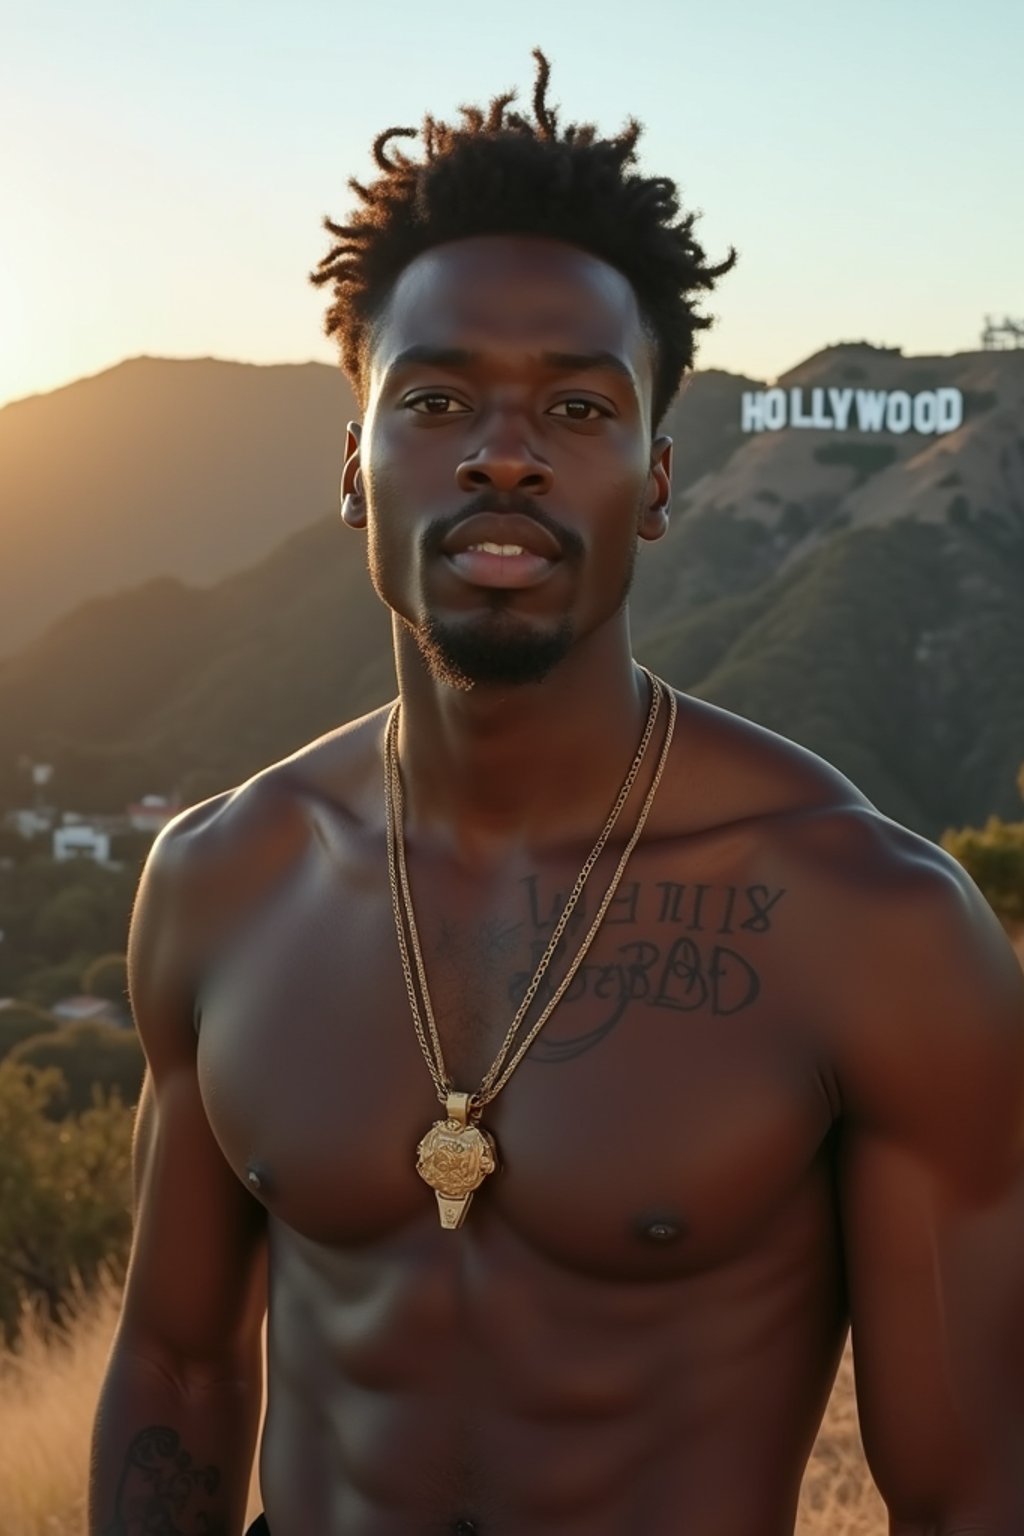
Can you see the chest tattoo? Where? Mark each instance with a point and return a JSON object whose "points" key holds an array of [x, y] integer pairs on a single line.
{"points": [[693, 949]]}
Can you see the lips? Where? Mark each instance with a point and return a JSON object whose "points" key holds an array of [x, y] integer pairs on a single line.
{"points": [[504, 550], [500, 530]]}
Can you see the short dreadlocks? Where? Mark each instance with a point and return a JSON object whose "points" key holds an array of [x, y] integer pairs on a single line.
{"points": [[500, 173]]}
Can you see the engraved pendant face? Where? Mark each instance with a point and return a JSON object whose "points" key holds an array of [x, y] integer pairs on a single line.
{"points": [[454, 1159]]}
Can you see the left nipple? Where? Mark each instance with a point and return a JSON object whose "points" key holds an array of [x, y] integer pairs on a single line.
{"points": [[658, 1229]]}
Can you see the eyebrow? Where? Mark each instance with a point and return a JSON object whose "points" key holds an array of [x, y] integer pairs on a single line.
{"points": [[561, 362], [434, 357], [588, 362]]}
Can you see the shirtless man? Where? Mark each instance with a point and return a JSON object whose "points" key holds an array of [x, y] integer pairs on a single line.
{"points": [[781, 1094]]}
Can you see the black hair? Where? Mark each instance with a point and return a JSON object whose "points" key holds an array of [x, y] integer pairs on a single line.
{"points": [[498, 172]]}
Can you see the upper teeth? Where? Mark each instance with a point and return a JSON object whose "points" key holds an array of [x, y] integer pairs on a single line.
{"points": [[499, 549]]}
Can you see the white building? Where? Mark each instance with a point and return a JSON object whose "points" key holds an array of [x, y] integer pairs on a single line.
{"points": [[87, 1010], [79, 840]]}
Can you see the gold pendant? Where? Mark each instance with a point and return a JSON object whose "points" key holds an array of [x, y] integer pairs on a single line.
{"points": [[454, 1158]]}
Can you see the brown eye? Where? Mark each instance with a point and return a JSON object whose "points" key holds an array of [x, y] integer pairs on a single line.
{"points": [[435, 404], [577, 410]]}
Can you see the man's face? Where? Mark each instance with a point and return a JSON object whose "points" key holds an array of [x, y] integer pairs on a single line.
{"points": [[506, 466]]}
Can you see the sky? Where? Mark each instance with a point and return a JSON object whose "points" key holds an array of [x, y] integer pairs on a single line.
{"points": [[164, 167]]}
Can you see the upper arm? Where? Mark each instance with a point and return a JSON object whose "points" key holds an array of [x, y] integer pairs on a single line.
{"points": [[931, 1179], [194, 1296]]}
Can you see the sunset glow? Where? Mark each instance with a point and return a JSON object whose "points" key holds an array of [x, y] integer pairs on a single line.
{"points": [[15, 361], [164, 183]]}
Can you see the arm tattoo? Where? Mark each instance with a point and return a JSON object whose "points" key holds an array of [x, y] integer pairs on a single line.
{"points": [[163, 1492]]}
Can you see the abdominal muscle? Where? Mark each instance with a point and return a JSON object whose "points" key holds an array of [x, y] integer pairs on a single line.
{"points": [[437, 1378]]}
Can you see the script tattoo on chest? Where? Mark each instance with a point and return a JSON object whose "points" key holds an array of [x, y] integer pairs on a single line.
{"points": [[684, 963]]}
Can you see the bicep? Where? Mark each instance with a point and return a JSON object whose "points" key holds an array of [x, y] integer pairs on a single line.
{"points": [[936, 1285], [195, 1291], [196, 1282], [932, 1195]]}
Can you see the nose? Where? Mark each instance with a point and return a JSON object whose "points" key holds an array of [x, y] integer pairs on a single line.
{"points": [[504, 462]]}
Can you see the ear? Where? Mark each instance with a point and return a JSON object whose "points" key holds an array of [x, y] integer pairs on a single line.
{"points": [[353, 494], [654, 517]]}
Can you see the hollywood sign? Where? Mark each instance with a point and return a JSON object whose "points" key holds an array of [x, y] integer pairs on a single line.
{"points": [[860, 410]]}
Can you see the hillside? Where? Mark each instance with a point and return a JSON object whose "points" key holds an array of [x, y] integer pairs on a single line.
{"points": [[862, 593], [196, 469], [175, 687], [191, 469]]}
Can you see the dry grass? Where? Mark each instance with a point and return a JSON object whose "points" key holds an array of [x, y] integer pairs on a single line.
{"points": [[48, 1396], [839, 1497], [47, 1399], [48, 1393]]}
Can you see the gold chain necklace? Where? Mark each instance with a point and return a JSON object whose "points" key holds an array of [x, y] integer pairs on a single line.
{"points": [[455, 1156]]}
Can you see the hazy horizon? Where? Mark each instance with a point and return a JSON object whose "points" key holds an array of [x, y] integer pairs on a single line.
{"points": [[329, 362], [166, 172]]}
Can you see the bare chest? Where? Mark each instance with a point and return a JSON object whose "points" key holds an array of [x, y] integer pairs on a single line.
{"points": [[667, 1108]]}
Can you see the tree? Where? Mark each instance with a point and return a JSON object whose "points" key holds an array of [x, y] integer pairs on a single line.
{"points": [[993, 856], [65, 1194], [20, 1021], [94, 1061], [107, 977], [48, 984], [70, 923], [59, 915]]}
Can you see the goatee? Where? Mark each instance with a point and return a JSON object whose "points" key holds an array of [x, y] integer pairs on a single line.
{"points": [[500, 650]]}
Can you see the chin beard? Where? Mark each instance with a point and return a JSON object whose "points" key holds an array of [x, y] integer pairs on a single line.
{"points": [[500, 651]]}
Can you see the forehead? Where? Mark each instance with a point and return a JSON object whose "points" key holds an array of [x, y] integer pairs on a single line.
{"points": [[507, 293]]}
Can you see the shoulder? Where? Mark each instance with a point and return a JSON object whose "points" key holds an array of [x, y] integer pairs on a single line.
{"points": [[804, 813], [726, 769], [911, 992], [920, 996], [220, 858], [248, 826]]}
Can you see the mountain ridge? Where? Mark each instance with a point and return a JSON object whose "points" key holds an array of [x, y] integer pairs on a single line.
{"points": [[859, 592], [186, 467]]}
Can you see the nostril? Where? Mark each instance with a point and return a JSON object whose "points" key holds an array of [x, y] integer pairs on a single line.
{"points": [[470, 477], [503, 475]]}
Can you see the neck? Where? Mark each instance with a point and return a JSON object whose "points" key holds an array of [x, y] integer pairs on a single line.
{"points": [[494, 767]]}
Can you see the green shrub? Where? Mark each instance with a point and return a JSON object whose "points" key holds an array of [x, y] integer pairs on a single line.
{"points": [[47, 984], [107, 977], [65, 1193], [865, 459], [20, 1021], [993, 856], [92, 1059]]}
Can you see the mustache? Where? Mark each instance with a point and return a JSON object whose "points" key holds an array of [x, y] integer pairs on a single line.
{"points": [[507, 504]]}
